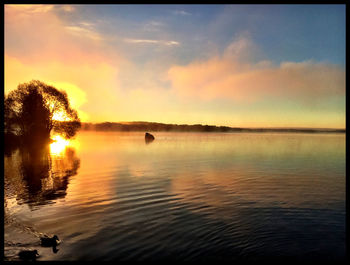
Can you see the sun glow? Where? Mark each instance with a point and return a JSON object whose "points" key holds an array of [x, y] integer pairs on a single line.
{"points": [[59, 145], [60, 116]]}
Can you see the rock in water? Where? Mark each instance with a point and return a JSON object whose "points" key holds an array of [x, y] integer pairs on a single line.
{"points": [[149, 137]]}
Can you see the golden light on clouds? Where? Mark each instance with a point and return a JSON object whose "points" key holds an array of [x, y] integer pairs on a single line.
{"points": [[135, 77], [222, 78], [72, 62], [30, 9]]}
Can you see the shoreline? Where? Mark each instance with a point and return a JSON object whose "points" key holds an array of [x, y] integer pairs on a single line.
{"points": [[162, 127], [230, 131]]}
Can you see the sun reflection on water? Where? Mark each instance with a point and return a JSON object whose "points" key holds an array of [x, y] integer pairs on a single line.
{"points": [[59, 145]]}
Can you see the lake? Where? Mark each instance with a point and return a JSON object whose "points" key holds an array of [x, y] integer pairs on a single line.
{"points": [[184, 196]]}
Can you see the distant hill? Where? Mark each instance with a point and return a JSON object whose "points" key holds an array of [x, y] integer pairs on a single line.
{"points": [[157, 127]]}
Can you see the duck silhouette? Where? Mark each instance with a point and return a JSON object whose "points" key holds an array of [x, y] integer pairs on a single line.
{"points": [[28, 254], [49, 241]]}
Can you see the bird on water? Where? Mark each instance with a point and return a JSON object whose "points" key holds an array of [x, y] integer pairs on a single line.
{"points": [[49, 241], [28, 254]]}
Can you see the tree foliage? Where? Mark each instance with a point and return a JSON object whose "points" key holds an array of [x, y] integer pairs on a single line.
{"points": [[30, 112]]}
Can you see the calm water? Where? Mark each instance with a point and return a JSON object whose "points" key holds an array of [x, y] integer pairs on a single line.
{"points": [[185, 196]]}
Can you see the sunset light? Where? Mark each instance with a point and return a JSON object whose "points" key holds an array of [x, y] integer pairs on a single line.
{"points": [[175, 132], [59, 145], [222, 69], [60, 116]]}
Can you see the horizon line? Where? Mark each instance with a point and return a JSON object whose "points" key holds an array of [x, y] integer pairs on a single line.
{"points": [[314, 128]]}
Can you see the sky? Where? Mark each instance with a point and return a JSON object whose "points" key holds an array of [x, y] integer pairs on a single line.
{"points": [[225, 65]]}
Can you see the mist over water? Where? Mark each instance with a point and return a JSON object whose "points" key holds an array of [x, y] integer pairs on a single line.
{"points": [[184, 196]]}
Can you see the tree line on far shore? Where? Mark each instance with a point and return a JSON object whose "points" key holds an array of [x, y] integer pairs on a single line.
{"points": [[158, 127]]}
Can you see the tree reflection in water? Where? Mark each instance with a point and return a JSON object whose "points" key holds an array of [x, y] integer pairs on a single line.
{"points": [[44, 176]]}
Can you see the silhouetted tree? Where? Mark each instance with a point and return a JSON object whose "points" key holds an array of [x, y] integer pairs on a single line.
{"points": [[29, 113]]}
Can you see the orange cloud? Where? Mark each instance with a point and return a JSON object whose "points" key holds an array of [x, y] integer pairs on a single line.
{"points": [[46, 36], [104, 86], [29, 9], [44, 47], [234, 76]]}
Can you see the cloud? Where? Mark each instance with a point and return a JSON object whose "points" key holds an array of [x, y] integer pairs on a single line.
{"points": [[235, 77], [67, 55], [37, 8], [242, 48], [106, 86], [153, 25], [181, 12], [67, 8], [47, 36], [87, 24], [83, 31], [145, 41], [46, 48], [29, 9]]}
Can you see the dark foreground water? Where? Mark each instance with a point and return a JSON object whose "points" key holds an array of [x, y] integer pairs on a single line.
{"points": [[185, 196]]}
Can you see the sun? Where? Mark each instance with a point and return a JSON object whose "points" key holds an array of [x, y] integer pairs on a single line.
{"points": [[59, 145], [60, 116]]}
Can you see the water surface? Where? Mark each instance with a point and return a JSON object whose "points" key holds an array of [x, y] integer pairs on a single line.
{"points": [[184, 196]]}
